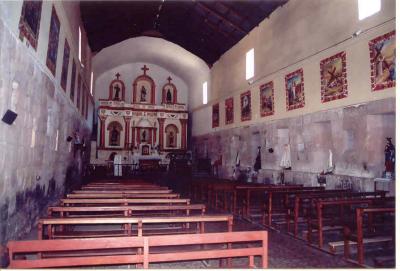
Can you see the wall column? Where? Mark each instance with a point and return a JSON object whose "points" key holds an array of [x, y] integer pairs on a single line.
{"points": [[127, 128], [161, 133], [183, 134], [102, 130]]}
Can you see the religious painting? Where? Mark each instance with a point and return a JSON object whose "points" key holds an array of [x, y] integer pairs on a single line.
{"points": [[294, 90], [382, 52], [64, 72], [333, 77], [29, 22], [117, 89], [245, 106], [215, 115], [171, 132], [169, 93], [229, 113], [78, 92], [73, 78], [114, 130], [51, 60], [145, 150], [144, 88], [267, 99]]}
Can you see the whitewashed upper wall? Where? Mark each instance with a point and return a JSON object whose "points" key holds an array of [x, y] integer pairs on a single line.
{"points": [[298, 35], [164, 56], [68, 13], [129, 72]]}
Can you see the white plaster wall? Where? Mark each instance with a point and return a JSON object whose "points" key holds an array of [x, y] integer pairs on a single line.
{"points": [[189, 68], [296, 36], [129, 72]]}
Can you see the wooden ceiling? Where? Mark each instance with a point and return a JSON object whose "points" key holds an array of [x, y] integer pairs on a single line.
{"points": [[205, 28]]}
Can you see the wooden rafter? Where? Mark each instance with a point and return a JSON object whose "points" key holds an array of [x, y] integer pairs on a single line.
{"points": [[203, 6]]}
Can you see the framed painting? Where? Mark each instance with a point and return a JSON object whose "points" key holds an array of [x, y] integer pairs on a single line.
{"points": [[333, 77], [64, 71], [267, 99], [245, 106], [51, 60], [294, 90], [29, 22], [73, 78], [382, 52], [229, 113], [215, 115]]}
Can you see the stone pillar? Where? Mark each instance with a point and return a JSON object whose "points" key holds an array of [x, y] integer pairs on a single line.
{"points": [[102, 130], [161, 133], [183, 134], [127, 128]]}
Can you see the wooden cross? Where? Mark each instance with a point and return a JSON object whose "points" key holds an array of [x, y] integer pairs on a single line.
{"points": [[144, 69], [118, 75], [169, 79]]}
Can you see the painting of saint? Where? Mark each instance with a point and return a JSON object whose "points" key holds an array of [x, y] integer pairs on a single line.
{"points": [[294, 90], [73, 78], [267, 99], [382, 52], [333, 77], [29, 22], [215, 115], [52, 48], [229, 115], [245, 106], [64, 72]]}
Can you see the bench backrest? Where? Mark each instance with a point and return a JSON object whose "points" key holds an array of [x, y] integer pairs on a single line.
{"points": [[114, 245], [125, 201], [124, 191], [122, 195]]}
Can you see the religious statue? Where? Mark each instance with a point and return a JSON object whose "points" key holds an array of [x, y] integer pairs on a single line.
{"points": [[169, 96], [117, 90], [143, 94], [114, 136], [171, 139], [389, 156], [144, 136]]}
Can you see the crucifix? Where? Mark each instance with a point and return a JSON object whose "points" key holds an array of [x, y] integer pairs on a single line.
{"points": [[118, 75], [144, 69], [169, 79]]}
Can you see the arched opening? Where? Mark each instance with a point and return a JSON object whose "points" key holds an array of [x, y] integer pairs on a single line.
{"points": [[171, 132], [114, 129]]}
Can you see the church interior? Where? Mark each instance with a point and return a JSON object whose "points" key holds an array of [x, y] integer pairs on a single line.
{"points": [[197, 134]]}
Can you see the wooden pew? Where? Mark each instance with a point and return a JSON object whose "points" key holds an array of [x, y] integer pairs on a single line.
{"points": [[63, 211], [124, 191], [122, 196], [122, 250], [337, 218], [75, 202], [126, 222], [122, 188], [370, 236]]}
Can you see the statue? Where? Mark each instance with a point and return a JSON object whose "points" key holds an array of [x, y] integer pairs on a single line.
{"points": [[114, 136], [117, 90], [389, 157], [143, 94], [144, 135], [171, 139], [169, 96]]}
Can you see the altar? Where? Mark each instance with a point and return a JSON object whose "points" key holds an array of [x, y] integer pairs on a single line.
{"points": [[141, 132]]}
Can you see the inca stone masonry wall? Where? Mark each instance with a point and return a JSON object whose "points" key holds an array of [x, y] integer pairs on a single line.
{"points": [[355, 134], [33, 173]]}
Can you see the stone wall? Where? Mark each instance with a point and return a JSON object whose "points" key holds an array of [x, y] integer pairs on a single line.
{"points": [[355, 135], [36, 161]]}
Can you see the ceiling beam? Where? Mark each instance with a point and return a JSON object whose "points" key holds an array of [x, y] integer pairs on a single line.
{"points": [[203, 6]]}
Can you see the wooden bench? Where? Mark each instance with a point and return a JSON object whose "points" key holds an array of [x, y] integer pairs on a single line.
{"points": [[126, 222], [63, 211], [124, 250], [124, 191], [108, 202], [123, 196], [371, 235]]}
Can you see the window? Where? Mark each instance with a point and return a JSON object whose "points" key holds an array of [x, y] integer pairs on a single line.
{"points": [[80, 46], [205, 98], [91, 83], [56, 147], [367, 8], [250, 64], [33, 138]]}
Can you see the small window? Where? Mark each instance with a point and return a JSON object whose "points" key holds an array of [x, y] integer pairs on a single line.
{"points": [[250, 64], [205, 98], [367, 8], [33, 138], [56, 147], [80, 46], [91, 83]]}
